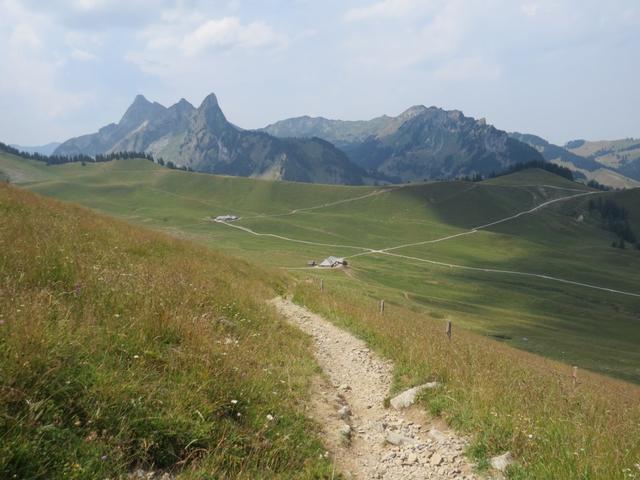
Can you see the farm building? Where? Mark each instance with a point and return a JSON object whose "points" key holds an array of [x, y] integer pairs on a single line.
{"points": [[226, 218], [332, 262]]}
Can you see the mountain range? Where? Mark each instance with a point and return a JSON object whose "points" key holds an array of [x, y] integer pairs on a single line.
{"points": [[204, 140], [421, 143], [47, 149], [615, 163]]}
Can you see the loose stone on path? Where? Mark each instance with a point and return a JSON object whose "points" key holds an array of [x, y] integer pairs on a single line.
{"points": [[367, 440]]}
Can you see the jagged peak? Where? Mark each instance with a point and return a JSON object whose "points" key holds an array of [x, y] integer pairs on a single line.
{"points": [[414, 110], [210, 101], [141, 109], [212, 112], [182, 104], [140, 99]]}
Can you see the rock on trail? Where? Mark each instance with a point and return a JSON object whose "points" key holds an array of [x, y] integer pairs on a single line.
{"points": [[382, 443]]}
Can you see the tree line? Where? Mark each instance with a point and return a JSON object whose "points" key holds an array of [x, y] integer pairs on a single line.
{"points": [[615, 218], [84, 159], [548, 166]]}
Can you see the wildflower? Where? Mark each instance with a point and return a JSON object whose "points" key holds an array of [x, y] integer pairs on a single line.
{"points": [[136, 356], [234, 401], [270, 417]]}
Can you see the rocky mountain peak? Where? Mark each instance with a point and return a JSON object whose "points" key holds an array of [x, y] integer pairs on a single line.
{"points": [[210, 101], [140, 100], [141, 110], [212, 113], [413, 112], [182, 106]]}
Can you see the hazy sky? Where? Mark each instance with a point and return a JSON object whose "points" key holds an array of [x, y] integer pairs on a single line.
{"points": [[561, 69]]}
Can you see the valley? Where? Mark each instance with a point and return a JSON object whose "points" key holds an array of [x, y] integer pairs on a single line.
{"points": [[527, 281], [361, 240]]}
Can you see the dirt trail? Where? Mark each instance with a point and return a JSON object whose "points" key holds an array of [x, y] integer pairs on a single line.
{"points": [[357, 426]]}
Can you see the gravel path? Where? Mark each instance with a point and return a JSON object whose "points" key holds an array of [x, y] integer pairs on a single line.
{"points": [[367, 440]]}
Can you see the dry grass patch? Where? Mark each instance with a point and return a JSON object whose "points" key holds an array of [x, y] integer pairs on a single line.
{"points": [[505, 398], [122, 348]]}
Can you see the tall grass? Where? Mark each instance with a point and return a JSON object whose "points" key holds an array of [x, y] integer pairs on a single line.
{"points": [[121, 349], [504, 398]]}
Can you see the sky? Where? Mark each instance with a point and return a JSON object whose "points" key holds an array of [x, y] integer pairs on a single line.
{"points": [[561, 69]]}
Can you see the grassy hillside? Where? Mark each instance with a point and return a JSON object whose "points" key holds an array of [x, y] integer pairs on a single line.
{"points": [[505, 399], [621, 155], [122, 348], [73, 270], [558, 320], [20, 170]]}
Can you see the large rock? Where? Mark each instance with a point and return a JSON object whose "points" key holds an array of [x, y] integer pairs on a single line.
{"points": [[408, 397], [436, 459], [397, 439], [501, 462], [437, 435]]}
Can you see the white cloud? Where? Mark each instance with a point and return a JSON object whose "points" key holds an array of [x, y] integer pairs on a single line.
{"points": [[230, 32], [296, 56], [33, 89], [425, 38], [182, 38], [530, 9], [24, 36], [385, 9], [82, 55]]}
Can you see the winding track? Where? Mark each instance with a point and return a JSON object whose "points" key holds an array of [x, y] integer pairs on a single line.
{"points": [[324, 205], [480, 227], [415, 260], [353, 397]]}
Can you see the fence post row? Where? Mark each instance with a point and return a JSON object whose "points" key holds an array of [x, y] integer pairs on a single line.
{"points": [[449, 329]]}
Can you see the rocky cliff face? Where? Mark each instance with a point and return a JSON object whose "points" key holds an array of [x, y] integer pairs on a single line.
{"points": [[203, 139], [421, 143]]}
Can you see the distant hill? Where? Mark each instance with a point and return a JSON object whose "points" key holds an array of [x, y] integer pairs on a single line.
{"points": [[592, 160], [622, 156], [204, 140], [552, 152], [47, 149], [421, 143]]}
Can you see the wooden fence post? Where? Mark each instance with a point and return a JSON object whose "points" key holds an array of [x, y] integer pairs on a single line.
{"points": [[322, 285], [449, 329], [381, 307], [574, 376]]}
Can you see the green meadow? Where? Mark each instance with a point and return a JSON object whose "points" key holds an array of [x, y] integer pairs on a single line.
{"points": [[591, 328]]}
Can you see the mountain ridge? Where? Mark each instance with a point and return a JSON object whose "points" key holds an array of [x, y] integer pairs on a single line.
{"points": [[615, 163], [203, 139], [46, 149], [419, 143]]}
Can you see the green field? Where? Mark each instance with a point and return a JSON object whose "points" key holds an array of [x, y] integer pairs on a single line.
{"points": [[592, 328]]}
